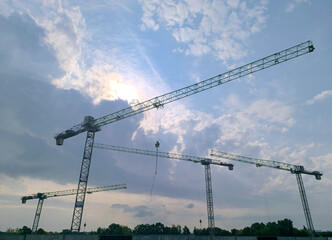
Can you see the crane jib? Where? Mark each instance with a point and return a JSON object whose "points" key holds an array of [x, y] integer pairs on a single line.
{"points": [[266, 163], [160, 101], [72, 192], [178, 156]]}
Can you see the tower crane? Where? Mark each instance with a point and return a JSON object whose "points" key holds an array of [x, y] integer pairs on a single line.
{"points": [[91, 125], [43, 195], [204, 161], [295, 169]]}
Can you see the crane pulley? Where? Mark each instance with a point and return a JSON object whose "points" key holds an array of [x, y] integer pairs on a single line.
{"points": [[91, 125], [157, 144]]}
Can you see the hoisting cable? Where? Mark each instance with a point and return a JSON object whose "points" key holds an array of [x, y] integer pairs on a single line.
{"points": [[155, 171]]}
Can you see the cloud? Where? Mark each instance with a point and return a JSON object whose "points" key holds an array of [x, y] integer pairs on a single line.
{"points": [[324, 163], [319, 97], [190, 205], [246, 122], [22, 51], [139, 211], [202, 27], [108, 71], [291, 5], [245, 126], [33, 110], [65, 33]]}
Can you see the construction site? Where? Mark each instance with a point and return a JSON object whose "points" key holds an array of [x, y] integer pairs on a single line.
{"points": [[119, 172], [92, 126]]}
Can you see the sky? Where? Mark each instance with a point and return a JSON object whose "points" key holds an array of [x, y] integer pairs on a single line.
{"points": [[63, 60]]}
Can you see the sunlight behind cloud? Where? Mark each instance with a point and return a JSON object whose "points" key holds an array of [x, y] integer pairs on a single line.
{"points": [[106, 84], [100, 74]]}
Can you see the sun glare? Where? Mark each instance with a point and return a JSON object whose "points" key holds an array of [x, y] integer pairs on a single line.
{"points": [[119, 90]]}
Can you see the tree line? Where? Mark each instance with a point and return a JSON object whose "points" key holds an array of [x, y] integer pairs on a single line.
{"points": [[280, 228]]}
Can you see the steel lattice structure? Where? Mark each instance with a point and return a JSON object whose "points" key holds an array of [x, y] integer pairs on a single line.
{"points": [[169, 155], [295, 169], [45, 195], [209, 199], [204, 161], [91, 125]]}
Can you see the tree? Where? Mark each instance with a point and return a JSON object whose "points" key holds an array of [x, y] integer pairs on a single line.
{"points": [[158, 228], [199, 232], [143, 229], [302, 233], [326, 234], [246, 231], [66, 231], [235, 232], [257, 229], [13, 231], [185, 230], [271, 229], [41, 231], [173, 230], [25, 230], [115, 230], [285, 227], [221, 232]]}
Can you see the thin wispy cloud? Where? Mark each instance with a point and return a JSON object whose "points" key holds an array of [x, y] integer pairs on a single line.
{"points": [[291, 5], [320, 97]]}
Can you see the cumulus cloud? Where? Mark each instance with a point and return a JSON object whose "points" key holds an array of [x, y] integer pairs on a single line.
{"points": [[244, 124], [203, 27], [319, 97]]}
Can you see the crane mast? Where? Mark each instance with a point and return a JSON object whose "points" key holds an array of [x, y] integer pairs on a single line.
{"points": [[204, 161], [209, 200], [45, 195], [91, 125], [295, 169]]}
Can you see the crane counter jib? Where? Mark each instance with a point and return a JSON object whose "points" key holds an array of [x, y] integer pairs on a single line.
{"points": [[91, 124]]}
